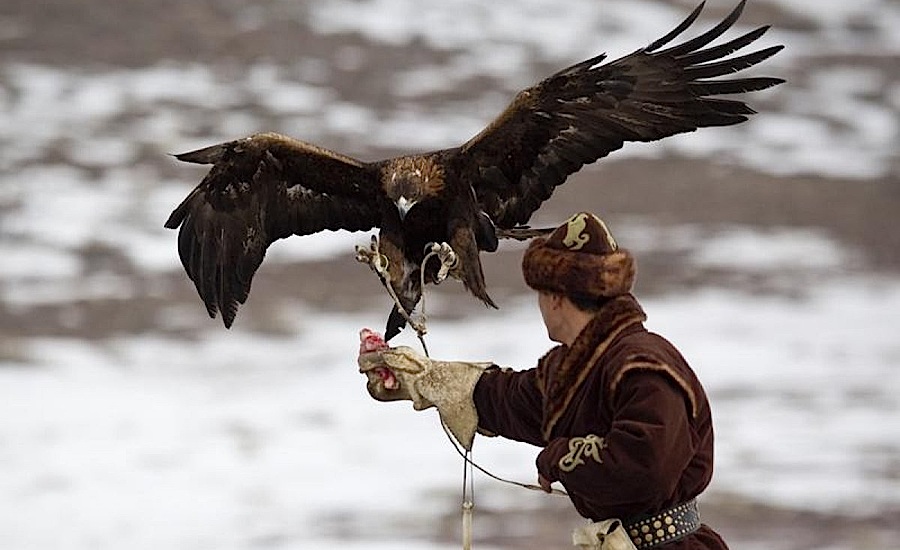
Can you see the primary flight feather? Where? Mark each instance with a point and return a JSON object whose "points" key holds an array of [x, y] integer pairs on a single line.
{"points": [[268, 187]]}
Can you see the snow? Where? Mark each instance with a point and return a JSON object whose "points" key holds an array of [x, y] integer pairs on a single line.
{"points": [[801, 391], [146, 441], [775, 250]]}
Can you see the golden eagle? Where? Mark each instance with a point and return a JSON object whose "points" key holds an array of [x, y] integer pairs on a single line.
{"points": [[267, 186]]}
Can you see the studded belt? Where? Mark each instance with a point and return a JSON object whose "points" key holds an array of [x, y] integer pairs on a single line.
{"points": [[667, 526]]}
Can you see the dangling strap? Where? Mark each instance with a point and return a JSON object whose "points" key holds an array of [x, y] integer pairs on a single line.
{"points": [[467, 456], [468, 501]]}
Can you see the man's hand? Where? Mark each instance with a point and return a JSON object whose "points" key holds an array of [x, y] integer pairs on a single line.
{"points": [[382, 383], [545, 484], [546, 462], [388, 369], [400, 373]]}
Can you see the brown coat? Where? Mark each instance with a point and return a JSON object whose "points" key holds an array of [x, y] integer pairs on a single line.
{"points": [[628, 386]]}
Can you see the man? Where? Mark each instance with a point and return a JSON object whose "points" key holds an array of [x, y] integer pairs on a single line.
{"points": [[624, 423]]}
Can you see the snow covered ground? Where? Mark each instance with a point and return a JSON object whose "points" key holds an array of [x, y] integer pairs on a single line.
{"points": [[245, 439], [239, 440]]}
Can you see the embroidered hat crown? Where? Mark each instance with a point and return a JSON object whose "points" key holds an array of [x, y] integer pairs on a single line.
{"points": [[580, 257]]}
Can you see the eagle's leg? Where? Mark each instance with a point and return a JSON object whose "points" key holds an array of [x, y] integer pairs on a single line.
{"points": [[373, 258], [523, 232], [379, 263], [448, 258]]}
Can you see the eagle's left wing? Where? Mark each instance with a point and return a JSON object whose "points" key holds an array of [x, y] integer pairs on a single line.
{"points": [[586, 111], [260, 189]]}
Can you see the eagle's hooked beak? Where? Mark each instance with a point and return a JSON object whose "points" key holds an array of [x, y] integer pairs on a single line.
{"points": [[404, 205]]}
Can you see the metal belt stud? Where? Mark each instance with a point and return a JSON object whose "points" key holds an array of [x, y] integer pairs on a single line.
{"points": [[667, 526]]}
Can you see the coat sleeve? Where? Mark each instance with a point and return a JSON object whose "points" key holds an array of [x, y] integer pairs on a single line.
{"points": [[640, 459], [509, 404]]}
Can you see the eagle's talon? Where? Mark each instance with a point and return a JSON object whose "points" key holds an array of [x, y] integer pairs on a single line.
{"points": [[448, 258], [372, 256]]}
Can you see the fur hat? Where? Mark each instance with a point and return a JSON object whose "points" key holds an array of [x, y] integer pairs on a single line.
{"points": [[580, 258]]}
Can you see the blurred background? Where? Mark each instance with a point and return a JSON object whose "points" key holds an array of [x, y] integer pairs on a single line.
{"points": [[768, 252]]}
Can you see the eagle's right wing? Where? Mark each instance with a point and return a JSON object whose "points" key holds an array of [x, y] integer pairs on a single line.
{"points": [[260, 189], [591, 109]]}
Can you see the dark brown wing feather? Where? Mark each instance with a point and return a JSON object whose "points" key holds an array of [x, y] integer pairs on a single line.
{"points": [[260, 189], [588, 110]]}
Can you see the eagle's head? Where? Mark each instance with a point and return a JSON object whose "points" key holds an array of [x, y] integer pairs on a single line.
{"points": [[412, 180], [405, 191]]}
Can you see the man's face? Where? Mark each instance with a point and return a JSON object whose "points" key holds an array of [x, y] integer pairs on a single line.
{"points": [[551, 307]]}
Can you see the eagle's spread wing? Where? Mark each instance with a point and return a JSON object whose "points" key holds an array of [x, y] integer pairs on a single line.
{"points": [[590, 109], [260, 189]]}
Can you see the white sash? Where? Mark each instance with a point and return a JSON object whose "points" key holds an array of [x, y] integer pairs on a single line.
{"points": [[608, 534]]}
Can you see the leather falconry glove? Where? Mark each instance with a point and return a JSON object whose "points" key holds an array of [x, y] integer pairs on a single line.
{"points": [[401, 373]]}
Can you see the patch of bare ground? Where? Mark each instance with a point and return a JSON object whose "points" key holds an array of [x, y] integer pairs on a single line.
{"points": [[860, 215]]}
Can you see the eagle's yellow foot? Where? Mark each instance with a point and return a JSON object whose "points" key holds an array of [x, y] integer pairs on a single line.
{"points": [[448, 258], [373, 257], [378, 262]]}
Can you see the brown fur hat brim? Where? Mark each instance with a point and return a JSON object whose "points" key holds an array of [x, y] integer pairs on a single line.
{"points": [[577, 273]]}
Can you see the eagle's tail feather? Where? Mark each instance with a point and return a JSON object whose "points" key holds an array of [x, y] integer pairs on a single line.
{"points": [[523, 233], [207, 155], [395, 323]]}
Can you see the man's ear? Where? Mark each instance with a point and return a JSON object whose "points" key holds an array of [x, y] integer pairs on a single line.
{"points": [[557, 301]]}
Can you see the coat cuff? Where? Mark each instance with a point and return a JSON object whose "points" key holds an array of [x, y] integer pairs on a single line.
{"points": [[548, 460]]}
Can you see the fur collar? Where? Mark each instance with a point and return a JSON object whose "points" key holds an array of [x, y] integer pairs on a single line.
{"points": [[566, 367]]}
